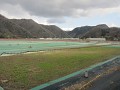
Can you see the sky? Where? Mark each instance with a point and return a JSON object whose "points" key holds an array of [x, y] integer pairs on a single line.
{"points": [[66, 14]]}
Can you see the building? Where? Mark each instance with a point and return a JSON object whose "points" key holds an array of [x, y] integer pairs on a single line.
{"points": [[96, 39]]}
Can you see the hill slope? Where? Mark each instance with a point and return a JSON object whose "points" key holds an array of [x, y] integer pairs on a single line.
{"points": [[27, 28], [99, 31], [39, 30], [56, 31], [8, 29], [79, 31]]}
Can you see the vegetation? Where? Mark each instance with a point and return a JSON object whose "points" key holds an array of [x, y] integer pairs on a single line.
{"points": [[99, 31], [27, 28], [28, 70]]}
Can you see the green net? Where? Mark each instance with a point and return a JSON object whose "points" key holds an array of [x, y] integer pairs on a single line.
{"points": [[14, 47], [113, 46]]}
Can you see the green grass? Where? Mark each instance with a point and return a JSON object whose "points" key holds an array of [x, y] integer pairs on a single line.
{"points": [[29, 70]]}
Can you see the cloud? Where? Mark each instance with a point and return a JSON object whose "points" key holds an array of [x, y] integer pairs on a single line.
{"points": [[13, 11], [67, 29], [112, 25], [55, 10], [56, 20]]}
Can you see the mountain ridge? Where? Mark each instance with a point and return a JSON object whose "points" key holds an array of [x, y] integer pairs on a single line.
{"points": [[28, 28], [98, 31]]}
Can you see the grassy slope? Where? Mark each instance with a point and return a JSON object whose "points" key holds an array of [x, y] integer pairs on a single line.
{"points": [[26, 71]]}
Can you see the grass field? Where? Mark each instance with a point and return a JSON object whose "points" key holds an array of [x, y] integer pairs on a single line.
{"points": [[28, 70]]}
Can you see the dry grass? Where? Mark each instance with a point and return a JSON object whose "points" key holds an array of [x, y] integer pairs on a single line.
{"points": [[28, 70]]}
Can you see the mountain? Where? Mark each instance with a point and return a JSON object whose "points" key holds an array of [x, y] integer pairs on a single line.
{"points": [[56, 31], [101, 26], [79, 31], [27, 28], [39, 30], [8, 29], [34, 28], [99, 31]]}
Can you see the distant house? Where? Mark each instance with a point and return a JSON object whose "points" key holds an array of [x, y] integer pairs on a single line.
{"points": [[96, 39]]}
